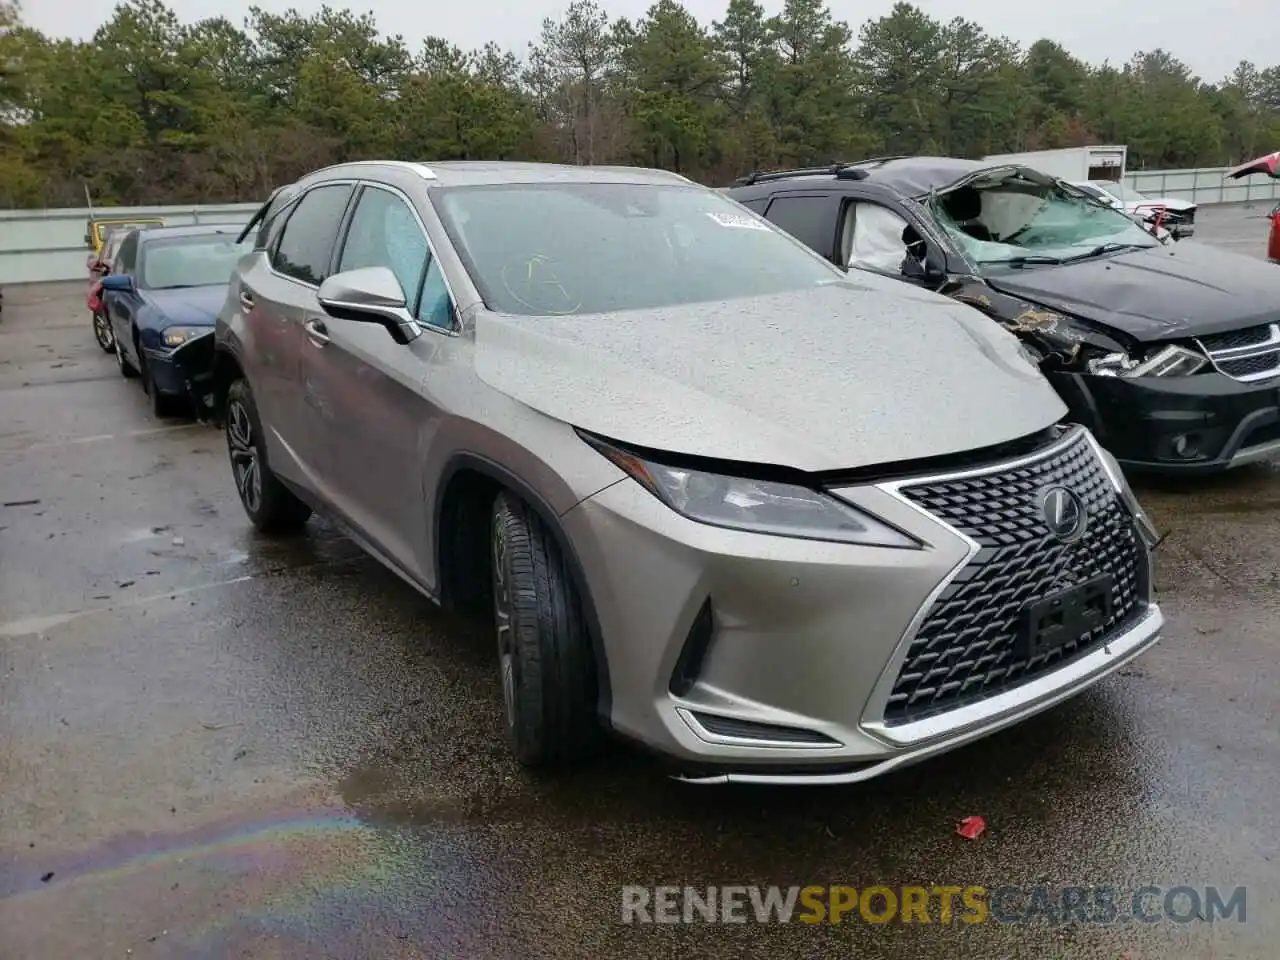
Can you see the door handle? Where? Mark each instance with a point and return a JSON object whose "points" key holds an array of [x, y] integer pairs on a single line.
{"points": [[246, 298], [316, 332]]}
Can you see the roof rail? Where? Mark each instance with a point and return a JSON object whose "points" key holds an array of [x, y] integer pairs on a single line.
{"points": [[863, 163], [842, 169], [760, 176], [421, 169]]}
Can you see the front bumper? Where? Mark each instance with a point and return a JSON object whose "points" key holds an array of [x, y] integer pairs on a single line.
{"points": [[1204, 423], [186, 370], [794, 682]]}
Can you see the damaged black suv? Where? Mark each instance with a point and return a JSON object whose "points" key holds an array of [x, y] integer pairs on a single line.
{"points": [[1170, 353]]}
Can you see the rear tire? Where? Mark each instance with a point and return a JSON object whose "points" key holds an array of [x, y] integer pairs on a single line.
{"points": [[544, 649], [102, 332], [272, 507]]}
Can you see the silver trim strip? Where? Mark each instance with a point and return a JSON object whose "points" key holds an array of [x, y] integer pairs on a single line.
{"points": [[1263, 451], [1032, 698], [421, 169], [1229, 354], [431, 248], [702, 733]]}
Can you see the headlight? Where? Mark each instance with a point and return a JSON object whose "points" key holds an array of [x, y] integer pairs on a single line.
{"points": [[1169, 361], [756, 506], [1146, 528], [177, 336]]}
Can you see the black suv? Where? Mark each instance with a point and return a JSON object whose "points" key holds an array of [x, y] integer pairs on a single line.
{"points": [[1170, 353]]}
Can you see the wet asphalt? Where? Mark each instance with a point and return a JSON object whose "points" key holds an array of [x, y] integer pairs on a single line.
{"points": [[214, 744]]}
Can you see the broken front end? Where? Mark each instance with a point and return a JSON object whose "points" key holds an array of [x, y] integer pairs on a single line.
{"points": [[1171, 355], [194, 364]]}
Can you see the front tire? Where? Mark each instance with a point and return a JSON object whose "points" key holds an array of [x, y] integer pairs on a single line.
{"points": [[544, 648], [272, 507], [163, 405], [103, 334], [126, 368]]}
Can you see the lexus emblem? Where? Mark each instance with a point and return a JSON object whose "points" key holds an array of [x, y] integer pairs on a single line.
{"points": [[1063, 512]]}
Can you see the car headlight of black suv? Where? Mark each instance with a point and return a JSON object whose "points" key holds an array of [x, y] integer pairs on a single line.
{"points": [[1168, 361]]}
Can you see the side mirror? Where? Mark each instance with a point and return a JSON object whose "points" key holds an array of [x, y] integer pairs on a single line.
{"points": [[370, 295], [118, 281]]}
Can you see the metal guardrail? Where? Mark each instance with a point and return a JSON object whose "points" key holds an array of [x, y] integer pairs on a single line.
{"points": [[1203, 185], [44, 245]]}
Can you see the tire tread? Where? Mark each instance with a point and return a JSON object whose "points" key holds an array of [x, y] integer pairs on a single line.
{"points": [[555, 694]]}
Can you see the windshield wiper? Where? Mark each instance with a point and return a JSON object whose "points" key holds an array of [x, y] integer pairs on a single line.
{"points": [[1105, 248], [1024, 260]]}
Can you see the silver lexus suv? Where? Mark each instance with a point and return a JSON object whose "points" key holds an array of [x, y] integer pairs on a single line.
{"points": [[777, 522]]}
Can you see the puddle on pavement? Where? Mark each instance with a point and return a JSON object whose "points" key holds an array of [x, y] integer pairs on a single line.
{"points": [[295, 875]]}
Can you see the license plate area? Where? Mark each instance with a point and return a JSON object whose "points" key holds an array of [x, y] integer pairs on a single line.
{"points": [[1061, 619]]}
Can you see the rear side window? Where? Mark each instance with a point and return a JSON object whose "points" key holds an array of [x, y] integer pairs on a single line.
{"points": [[128, 256], [758, 205], [306, 244], [811, 220], [272, 217]]}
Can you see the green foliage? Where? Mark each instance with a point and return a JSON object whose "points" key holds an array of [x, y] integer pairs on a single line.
{"points": [[155, 110]]}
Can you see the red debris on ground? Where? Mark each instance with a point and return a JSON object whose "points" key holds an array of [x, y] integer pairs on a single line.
{"points": [[971, 827]]}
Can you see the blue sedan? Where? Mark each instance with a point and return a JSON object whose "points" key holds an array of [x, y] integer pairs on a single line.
{"points": [[162, 300]]}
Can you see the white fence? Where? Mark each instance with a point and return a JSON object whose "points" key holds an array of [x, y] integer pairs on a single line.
{"points": [[1204, 185], [40, 245]]}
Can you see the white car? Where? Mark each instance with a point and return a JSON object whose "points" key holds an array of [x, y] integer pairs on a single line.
{"points": [[1179, 215]]}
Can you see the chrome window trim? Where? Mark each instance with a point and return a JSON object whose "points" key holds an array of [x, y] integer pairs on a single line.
{"points": [[456, 328], [294, 203]]}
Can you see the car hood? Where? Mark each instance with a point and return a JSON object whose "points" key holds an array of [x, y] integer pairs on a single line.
{"points": [[856, 373], [1160, 293], [191, 306], [1170, 203]]}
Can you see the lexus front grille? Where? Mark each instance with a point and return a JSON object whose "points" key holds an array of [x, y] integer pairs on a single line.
{"points": [[1246, 355], [966, 648]]}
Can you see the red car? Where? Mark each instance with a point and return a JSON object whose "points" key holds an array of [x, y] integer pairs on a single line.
{"points": [[1270, 165], [1273, 240], [99, 267]]}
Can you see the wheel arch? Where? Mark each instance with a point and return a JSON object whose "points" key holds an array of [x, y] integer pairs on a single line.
{"points": [[226, 371], [468, 480]]}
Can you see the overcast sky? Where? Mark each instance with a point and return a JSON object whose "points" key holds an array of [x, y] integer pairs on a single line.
{"points": [[1211, 37]]}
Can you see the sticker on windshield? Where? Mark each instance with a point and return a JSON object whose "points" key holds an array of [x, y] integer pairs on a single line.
{"points": [[737, 221]]}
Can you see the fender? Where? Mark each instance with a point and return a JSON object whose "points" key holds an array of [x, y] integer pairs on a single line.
{"points": [[466, 460]]}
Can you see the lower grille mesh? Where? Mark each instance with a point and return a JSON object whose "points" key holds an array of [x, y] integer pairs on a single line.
{"points": [[966, 648]]}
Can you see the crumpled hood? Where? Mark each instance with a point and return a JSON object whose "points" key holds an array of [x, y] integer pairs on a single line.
{"points": [[1190, 289], [192, 306], [857, 373], [1172, 203]]}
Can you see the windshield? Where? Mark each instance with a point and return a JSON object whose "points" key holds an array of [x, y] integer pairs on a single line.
{"points": [[195, 261], [1015, 220], [564, 248]]}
